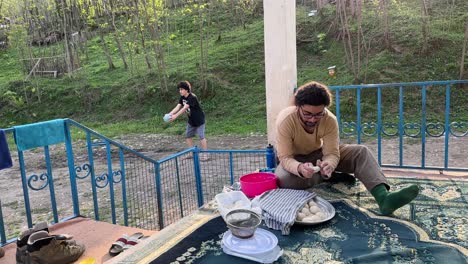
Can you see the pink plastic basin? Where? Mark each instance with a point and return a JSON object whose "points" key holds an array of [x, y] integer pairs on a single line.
{"points": [[256, 183]]}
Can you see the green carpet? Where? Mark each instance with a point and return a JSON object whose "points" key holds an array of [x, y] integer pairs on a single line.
{"points": [[430, 230], [441, 209]]}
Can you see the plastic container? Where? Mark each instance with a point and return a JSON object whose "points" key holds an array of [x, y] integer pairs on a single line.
{"points": [[256, 183], [230, 201]]}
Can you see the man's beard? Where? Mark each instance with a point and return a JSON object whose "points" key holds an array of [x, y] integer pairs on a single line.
{"points": [[310, 124]]}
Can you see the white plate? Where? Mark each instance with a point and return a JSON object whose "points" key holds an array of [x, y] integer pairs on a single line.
{"points": [[268, 257], [325, 207], [261, 242]]}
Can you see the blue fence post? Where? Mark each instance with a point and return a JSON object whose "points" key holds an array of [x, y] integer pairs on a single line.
{"points": [[231, 168], [447, 125], [423, 127], [89, 145], [110, 177], [71, 170], [270, 157], [198, 180], [124, 186], [358, 111], [50, 179], [24, 183], [157, 167], [2, 227]]}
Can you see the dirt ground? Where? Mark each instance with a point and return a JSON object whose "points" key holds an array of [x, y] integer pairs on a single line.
{"points": [[160, 146]]}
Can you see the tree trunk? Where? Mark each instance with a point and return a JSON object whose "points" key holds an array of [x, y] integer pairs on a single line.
{"points": [[384, 7], [117, 38], [159, 51], [202, 52], [462, 63], [142, 36], [106, 51], [65, 35], [425, 26], [100, 31]]}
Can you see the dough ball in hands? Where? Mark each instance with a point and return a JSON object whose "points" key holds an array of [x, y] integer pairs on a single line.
{"points": [[314, 168]]}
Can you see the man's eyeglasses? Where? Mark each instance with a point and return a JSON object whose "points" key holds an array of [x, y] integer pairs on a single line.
{"points": [[309, 115]]}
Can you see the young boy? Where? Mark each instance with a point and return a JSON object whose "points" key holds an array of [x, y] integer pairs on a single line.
{"points": [[188, 103]]}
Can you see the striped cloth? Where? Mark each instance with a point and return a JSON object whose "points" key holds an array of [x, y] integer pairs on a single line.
{"points": [[280, 207]]}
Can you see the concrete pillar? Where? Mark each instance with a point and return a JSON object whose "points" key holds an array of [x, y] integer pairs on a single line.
{"points": [[280, 58]]}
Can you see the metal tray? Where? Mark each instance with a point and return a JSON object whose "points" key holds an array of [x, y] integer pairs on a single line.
{"points": [[325, 207]]}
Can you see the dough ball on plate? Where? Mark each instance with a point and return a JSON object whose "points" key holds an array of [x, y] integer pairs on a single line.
{"points": [[321, 215], [312, 203], [305, 211], [311, 219], [300, 216], [314, 209]]}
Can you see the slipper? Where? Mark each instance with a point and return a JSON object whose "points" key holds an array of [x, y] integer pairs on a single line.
{"points": [[23, 238], [133, 240], [118, 246]]}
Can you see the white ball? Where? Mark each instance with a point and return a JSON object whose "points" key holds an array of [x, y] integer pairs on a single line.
{"points": [[167, 117]]}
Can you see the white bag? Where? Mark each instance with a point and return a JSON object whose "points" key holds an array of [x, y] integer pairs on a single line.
{"points": [[234, 200]]}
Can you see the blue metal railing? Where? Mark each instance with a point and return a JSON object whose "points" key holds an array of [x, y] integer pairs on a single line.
{"points": [[112, 182], [413, 127]]}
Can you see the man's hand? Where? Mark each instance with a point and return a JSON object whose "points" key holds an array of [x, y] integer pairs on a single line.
{"points": [[307, 169], [325, 169]]}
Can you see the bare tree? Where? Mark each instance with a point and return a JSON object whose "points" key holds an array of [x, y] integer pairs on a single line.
{"points": [[425, 25], [384, 8], [154, 27], [101, 31], [116, 33], [140, 26], [462, 62]]}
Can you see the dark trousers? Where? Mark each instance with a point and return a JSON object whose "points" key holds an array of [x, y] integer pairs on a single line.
{"points": [[354, 159]]}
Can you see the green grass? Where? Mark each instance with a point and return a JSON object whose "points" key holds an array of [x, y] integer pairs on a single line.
{"points": [[119, 101]]}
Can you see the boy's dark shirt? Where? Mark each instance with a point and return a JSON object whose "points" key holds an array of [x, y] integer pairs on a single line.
{"points": [[196, 117]]}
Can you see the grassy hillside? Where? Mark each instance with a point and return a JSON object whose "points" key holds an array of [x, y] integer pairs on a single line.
{"points": [[130, 101]]}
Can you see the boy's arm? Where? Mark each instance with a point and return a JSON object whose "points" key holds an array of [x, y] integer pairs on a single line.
{"points": [[181, 111], [176, 108]]}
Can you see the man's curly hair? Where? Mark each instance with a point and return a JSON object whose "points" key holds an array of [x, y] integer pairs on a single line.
{"points": [[313, 93]]}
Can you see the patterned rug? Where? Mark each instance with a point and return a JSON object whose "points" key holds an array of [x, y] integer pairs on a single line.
{"points": [[431, 230]]}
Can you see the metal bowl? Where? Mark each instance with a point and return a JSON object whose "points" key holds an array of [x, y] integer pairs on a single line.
{"points": [[326, 207], [242, 222]]}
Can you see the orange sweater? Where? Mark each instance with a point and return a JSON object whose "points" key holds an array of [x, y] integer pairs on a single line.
{"points": [[292, 139]]}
